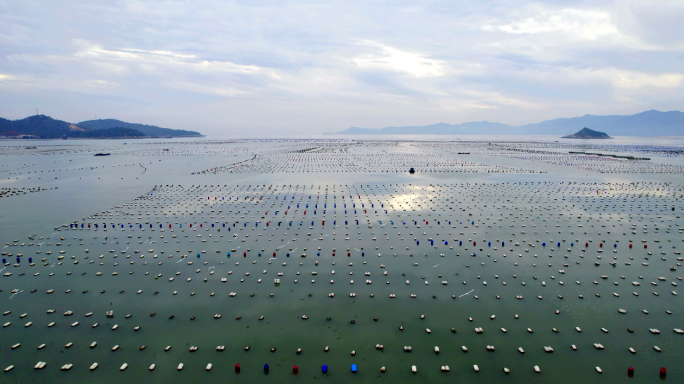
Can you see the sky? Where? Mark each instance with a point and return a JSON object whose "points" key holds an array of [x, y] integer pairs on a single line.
{"points": [[266, 67]]}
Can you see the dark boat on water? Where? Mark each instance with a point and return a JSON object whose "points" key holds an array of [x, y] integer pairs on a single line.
{"points": [[412, 171], [102, 154]]}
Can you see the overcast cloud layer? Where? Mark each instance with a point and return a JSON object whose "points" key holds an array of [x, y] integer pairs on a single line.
{"points": [[264, 66]]}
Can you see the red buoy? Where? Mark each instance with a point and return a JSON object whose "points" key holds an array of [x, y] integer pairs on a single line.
{"points": [[237, 368], [323, 222], [586, 245], [474, 243], [645, 246], [600, 245], [663, 371], [295, 369], [244, 254], [169, 225], [200, 225], [333, 253], [630, 371], [630, 246], [274, 254]]}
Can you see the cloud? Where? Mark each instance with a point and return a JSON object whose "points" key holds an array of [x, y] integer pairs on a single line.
{"points": [[226, 65], [150, 58], [391, 59], [576, 23]]}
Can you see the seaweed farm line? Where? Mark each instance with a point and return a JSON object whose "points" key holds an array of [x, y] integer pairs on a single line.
{"points": [[469, 270]]}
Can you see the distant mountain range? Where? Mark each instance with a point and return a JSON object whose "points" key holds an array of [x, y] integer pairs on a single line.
{"points": [[45, 127], [648, 123]]}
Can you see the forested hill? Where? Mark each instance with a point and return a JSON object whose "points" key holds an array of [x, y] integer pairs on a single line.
{"points": [[45, 127], [148, 130]]}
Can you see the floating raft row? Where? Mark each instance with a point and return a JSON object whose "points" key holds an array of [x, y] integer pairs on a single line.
{"points": [[471, 252]]}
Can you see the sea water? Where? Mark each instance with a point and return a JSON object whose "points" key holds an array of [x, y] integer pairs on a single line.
{"points": [[490, 195]]}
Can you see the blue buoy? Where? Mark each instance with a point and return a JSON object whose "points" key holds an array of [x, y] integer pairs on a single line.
{"points": [[354, 368], [198, 255], [266, 368], [324, 368], [228, 255]]}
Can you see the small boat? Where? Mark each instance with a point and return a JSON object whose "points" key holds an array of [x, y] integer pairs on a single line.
{"points": [[476, 368], [102, 154], [536, 369], [93, 367], [123, 367], [599, 370]]}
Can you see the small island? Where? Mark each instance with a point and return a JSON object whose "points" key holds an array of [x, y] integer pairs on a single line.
{"points": [[586, 133]]}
